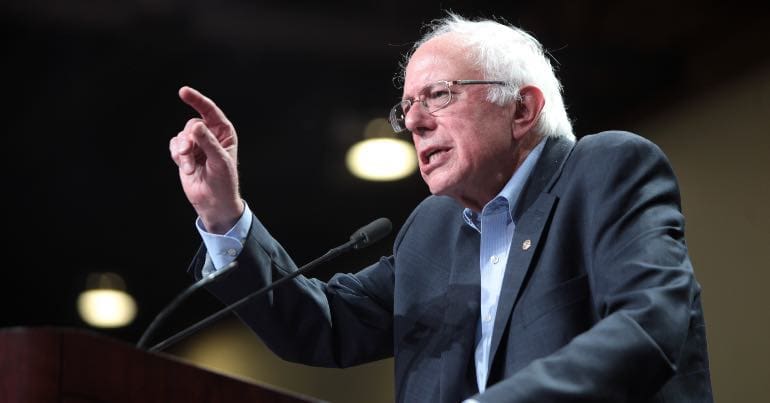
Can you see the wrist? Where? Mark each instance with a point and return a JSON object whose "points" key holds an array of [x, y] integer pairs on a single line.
{"points": [[221, 218]]}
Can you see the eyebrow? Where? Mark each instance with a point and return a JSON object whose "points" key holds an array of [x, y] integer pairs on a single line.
{"points": [[424, 86]]}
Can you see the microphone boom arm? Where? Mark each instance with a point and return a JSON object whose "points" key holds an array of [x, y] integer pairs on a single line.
{"points": [[224, 311], [362, 238]]}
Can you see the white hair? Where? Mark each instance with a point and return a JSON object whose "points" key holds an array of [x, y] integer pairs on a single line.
{"points": [[507, 53]]}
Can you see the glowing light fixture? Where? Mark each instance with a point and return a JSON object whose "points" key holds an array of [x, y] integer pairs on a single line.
{"points": [[105, 303], [381, 156]]}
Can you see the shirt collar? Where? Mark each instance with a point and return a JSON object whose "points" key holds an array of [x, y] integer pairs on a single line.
{"points": [[508, 196]]}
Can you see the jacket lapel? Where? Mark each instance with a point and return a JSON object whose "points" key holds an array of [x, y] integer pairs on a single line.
{"points": [[531, 216], [458, 377]]}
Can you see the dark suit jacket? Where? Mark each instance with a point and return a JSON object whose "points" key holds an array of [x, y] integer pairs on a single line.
{"points": [[598, 303]]}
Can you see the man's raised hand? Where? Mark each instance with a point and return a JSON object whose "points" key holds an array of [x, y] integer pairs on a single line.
{"points": [[206, 152]]}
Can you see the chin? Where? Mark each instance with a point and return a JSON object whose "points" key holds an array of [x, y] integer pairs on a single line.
{"points": [[439, 189], [434, 190], [442, 182]]}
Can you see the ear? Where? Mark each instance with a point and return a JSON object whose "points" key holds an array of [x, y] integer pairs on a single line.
{"points": [[527, 112]]}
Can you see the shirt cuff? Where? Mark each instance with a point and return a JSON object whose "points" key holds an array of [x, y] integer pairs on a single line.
{"points": [[224, 249]]}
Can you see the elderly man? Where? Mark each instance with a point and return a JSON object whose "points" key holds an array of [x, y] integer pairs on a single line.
{"points": [[541, 269]]}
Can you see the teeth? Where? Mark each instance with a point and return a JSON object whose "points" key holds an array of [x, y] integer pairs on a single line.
{"points": [[433, 155]]}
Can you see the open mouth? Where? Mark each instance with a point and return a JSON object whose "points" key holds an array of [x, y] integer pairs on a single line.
{"points": [[433, 156]]}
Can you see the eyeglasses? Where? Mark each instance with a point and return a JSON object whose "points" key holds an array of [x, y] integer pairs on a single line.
{"points": [[432, 97]]}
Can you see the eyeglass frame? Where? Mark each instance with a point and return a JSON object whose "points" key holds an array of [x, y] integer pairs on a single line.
{"points": [[394, 124]]}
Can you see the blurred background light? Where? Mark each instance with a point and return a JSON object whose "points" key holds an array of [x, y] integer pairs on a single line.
{"points": [[381, 156], [105, 302]]}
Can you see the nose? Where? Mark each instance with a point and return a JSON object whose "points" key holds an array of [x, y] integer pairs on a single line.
{"points": [[418, 120]]}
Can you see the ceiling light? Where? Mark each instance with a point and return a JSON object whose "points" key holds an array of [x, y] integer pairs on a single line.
{"points": [[382, 159], [381, 156], [105, 303]]}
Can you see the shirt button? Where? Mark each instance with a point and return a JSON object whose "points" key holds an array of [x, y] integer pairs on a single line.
{"points": [[487, 318], [494, 259], [232, 252]]}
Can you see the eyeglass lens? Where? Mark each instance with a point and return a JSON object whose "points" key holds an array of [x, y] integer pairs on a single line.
{"points": [[433, 97]]}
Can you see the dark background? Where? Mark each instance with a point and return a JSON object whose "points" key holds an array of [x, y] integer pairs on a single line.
{"points": [[89, 101]]}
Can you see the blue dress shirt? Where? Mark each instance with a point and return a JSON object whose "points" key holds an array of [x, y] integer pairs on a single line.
{"points": [[496, 226], [223, 249]]}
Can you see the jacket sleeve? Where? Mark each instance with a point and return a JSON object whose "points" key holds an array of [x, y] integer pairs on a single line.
{"points": [[643, 292], [344, 322]]}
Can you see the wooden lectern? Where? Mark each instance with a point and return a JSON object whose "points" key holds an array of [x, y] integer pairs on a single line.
{"points": [[57, 365]]}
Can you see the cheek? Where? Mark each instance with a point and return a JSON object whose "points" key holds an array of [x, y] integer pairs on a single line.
{"points": [[480, 137], [470, 157], [481, 142]]}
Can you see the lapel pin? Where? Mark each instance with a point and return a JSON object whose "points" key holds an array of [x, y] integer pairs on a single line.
{"points": [[526, 244]]}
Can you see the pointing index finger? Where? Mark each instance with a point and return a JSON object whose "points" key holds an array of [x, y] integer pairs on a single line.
{"points": [[208, 110]]}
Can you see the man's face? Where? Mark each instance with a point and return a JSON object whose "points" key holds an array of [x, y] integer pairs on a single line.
{"points": [[465, 150]]}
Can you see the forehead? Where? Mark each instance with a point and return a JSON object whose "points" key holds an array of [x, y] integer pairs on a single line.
{"points": [[441, 58]]}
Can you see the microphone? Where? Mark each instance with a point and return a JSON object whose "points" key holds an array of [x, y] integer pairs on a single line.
{"points": [[363, 237], [371, 233]]}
